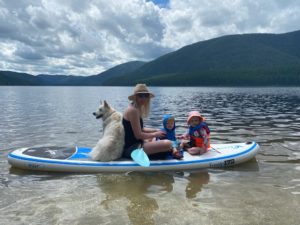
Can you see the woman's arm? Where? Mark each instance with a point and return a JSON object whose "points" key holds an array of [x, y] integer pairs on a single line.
{"points": [[133, 116], [150, 130]]}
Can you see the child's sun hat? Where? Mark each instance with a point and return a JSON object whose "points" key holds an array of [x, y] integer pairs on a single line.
{"points": [[194, 114]]}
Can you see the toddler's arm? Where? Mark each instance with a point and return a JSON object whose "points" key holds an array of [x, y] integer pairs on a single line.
{"points": [[205, 136], [183, 136]]}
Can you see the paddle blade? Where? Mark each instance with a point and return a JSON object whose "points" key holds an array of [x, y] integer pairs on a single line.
{"points": [[140, 157]]}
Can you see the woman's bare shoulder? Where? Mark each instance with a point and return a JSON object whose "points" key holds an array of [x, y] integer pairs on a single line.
{"points": [[131, 112]]}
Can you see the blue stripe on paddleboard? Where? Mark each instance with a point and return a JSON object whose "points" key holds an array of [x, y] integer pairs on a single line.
{"points": [[81, 153], [206, 160], [164, 163]]}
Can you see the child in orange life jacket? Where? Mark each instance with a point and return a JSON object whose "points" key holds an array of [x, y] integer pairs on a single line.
{"points": [[198, 135], [169, 130]]}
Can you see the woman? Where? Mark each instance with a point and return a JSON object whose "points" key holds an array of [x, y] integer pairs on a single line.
{"points": [[136, 135]]}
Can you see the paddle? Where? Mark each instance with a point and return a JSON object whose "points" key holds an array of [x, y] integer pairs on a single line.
{"points": [[140, 157], [215, 149], [174, 144]]}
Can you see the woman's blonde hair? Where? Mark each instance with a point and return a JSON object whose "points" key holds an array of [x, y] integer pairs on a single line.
{"points": [[143, 109]]}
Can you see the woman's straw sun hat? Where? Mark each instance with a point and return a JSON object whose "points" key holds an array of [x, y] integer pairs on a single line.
{"points": [[140, 88]]}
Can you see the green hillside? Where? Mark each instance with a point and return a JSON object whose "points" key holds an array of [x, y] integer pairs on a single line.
{"points": [[115, 72], [13, 78], [248, 59]]}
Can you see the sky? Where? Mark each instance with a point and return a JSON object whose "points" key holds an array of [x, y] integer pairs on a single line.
{"points": [[87, 37]]}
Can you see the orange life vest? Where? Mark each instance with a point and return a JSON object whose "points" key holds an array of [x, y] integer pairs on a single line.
{"points": [[197, 139]]}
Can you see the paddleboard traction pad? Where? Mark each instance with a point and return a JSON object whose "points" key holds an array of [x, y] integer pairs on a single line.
{"points": [[52, 152]]}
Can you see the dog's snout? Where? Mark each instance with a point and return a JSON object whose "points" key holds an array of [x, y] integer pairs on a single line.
{"points": [[94, 113]]}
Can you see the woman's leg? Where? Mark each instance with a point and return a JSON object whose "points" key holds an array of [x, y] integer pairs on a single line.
{"points": [[157, 146], [127, 151]]}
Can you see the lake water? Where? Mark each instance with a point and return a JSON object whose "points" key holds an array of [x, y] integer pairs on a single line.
{"points": [[265, 190]]}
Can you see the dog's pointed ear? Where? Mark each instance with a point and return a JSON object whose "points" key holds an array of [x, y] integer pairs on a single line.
{"points": [[106, 104]]}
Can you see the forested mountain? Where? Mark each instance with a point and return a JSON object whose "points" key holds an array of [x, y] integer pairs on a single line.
{"points": [[247, 59], [115, 72], [14, 78], [234, 60]]}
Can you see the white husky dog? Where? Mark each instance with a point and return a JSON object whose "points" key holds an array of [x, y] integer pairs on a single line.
{"points": [[110, 146]]}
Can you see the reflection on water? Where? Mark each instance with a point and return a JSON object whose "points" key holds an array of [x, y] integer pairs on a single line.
{"points": [[140, 191], [196, 181], [136, 189], [267, 187]]}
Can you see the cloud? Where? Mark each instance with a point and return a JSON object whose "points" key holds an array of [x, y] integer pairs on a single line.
{"points": [[87, 37], [195, 20]]}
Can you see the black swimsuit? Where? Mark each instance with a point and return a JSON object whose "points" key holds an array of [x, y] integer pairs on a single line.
{"points": [[131, 143]]}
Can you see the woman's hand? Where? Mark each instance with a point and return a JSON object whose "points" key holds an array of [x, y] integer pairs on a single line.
{"points": [[159, 134]]}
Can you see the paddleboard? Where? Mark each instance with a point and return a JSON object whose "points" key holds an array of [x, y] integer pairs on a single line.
{"points": [[76, 159]]}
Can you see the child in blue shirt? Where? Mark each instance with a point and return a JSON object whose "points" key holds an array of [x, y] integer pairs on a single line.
{"points": [[169, 129]]}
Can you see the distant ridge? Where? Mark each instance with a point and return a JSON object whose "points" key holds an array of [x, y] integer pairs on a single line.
{"points": [[115, 72], [233, 60], [15, 78], [247, 59]]}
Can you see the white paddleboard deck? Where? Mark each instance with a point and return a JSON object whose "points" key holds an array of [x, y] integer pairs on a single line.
{"points": [[76, 159]]}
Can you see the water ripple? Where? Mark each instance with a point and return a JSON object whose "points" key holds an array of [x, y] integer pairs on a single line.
{"points": [[62, 116]]}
